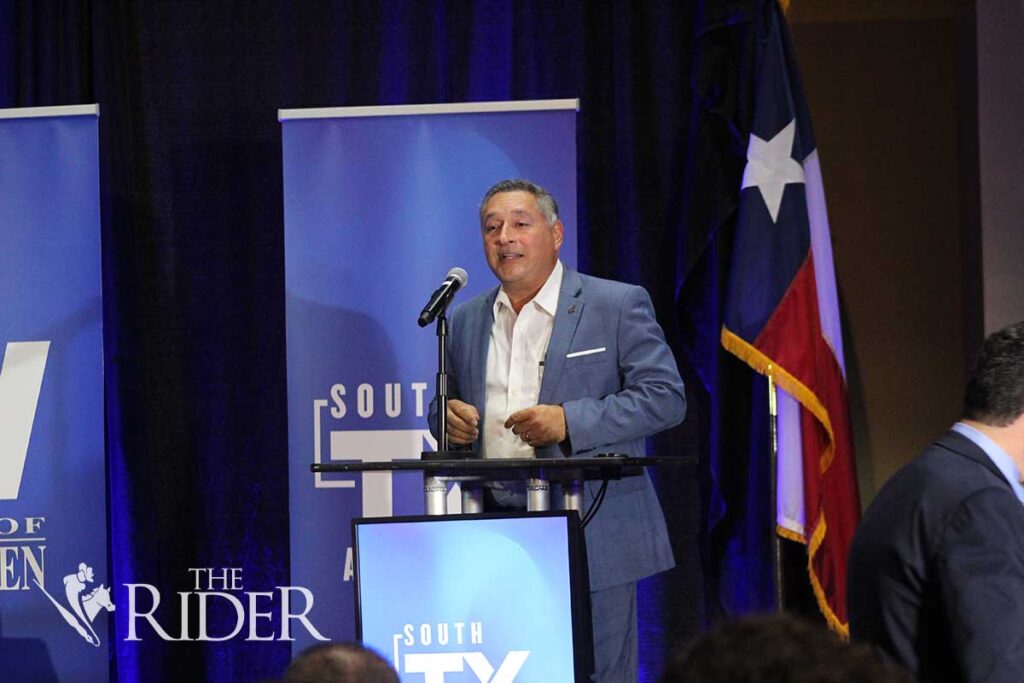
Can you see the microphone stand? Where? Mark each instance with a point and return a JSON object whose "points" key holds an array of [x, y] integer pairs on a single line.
{"points": [[442, 382], [444, 451], [435, 489]]}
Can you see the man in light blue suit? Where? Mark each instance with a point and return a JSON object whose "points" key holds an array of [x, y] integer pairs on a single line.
{"points": [[557, 364]]}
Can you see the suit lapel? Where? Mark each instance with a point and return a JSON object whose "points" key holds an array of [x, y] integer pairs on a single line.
{"points": [[567, 319], [480, 343], [960, 444]]}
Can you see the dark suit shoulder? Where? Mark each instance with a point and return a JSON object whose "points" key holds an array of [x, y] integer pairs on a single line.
{"points": [[951, 467], [924, 547], [911, 512]]}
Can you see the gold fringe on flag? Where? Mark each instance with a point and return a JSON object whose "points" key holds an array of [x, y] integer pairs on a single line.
{"points": [[809, 400]]}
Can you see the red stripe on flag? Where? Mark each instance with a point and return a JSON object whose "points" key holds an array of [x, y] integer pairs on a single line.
{"points": [[793, 341]]}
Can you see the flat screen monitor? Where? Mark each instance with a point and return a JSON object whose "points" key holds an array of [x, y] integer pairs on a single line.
{"points": [[468, 598]]}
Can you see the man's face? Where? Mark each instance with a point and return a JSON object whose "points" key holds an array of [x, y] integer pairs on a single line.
{"points": [[521, 247]]}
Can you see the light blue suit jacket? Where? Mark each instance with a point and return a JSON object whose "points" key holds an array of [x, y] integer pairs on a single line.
{"points": [[612, 399]]}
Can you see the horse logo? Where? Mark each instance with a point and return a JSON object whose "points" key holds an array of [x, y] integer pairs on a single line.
{"points": [[84, 608]]}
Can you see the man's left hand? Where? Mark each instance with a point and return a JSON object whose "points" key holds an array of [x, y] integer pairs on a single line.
{"points": [[538, 426]]}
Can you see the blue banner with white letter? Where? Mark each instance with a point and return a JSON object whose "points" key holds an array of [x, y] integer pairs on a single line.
{"points": [[436, 597], [54, 591], [379, 204]]}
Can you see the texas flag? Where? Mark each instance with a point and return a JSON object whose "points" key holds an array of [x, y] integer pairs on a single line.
{"points": [[782, 319]]}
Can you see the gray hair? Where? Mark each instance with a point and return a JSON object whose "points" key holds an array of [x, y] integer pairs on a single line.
{"points": [[548, 205]]}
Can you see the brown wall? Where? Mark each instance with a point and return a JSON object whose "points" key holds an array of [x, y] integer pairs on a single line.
{"points": [[881, 82], [1000, 69]]}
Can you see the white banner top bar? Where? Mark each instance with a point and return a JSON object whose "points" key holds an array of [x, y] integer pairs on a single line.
{"points": [[39, 112], [415, 109]]}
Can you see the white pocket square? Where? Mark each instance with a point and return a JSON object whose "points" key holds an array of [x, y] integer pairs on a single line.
{"points": [[575, 354]]}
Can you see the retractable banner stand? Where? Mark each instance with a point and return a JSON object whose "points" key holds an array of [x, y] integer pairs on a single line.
{"points": [[380, 202], [54, 591]]}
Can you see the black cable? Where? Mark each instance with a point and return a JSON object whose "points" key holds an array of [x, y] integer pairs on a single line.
{"points": [[596, 505]]}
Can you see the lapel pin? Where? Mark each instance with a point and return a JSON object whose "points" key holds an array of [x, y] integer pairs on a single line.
{"points": [[572, 309]]}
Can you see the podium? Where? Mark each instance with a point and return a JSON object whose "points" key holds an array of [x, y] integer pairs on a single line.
{"points": [[479, 595], [538, 474]]}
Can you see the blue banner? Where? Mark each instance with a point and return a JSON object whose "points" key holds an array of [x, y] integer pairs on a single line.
{"points": [[379, 204], [54, 594]]}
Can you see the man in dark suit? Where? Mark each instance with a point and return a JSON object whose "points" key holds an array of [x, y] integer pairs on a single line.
{"points": [[554, 364], [936, 571]]}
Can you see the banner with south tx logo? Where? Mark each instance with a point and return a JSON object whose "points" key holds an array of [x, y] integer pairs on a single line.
{"points": [[470, 599], [379, 204], [54, 592]]}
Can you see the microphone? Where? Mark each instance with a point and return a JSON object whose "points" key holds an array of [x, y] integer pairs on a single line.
{"points": [[442, 296]]}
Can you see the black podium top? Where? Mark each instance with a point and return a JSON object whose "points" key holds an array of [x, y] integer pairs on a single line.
{"points": [[554, 469]]}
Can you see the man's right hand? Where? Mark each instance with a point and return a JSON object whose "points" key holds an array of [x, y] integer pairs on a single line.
{"points": [[463, 422]]}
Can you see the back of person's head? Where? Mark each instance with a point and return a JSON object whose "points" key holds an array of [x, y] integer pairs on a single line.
{"points": [[995, 389], [339, 663], [776, 648]]}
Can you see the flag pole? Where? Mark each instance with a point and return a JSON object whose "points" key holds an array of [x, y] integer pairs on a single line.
{"points": [[773, 422]]}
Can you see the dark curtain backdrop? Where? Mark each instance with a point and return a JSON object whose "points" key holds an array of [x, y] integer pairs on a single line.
{"points": [[193, 254]]}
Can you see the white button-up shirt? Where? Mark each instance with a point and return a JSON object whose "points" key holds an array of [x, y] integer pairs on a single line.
{"points": [[515, 364]]}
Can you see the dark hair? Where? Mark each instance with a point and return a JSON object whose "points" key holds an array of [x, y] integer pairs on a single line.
{"points": [[548, 205], [339, 663], [777, 648], [995, 390]]}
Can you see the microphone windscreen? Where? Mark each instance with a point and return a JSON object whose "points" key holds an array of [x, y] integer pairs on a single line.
{"points": [[460, 275]]}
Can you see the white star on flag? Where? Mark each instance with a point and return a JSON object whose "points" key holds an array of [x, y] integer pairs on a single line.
{"points": [[771, 166]]}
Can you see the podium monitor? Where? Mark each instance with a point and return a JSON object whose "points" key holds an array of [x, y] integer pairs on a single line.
{"points": [[483, 597]]}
